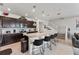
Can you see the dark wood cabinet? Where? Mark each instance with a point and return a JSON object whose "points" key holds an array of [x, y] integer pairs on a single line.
{"points": [[30, 24], [10, 38], [7, 22], [0, 22], [27, 23], [17, 23]]}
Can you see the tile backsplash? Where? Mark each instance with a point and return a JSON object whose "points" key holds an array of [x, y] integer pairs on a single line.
{"points": [[13, 30]]}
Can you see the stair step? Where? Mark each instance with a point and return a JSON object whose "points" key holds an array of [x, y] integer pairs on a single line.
{"points": [[61, 36]]}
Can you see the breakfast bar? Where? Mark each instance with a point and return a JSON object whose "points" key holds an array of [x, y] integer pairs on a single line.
{"points": [[34, 36]]}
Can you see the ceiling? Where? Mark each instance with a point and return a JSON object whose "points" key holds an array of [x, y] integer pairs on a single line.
{"points": [[45, 11]]}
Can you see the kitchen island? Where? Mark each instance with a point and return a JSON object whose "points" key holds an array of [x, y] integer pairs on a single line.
{"points": [[32, 37]]}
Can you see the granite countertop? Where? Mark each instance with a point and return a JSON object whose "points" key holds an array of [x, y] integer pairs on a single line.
{"points": [[31, 35], [10, 33]]}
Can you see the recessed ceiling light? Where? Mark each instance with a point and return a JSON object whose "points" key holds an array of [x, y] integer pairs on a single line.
{"points": [[42, 11], [34, 6], [43, 15], [58, 13], [26, 14], [33, 10]]}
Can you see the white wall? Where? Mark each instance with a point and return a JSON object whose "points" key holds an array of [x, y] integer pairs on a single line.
{"points": [[62, 23]]}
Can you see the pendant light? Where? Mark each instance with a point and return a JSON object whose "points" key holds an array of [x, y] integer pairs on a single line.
{"points": [[6, 11], [34, 8], [43, 13]]}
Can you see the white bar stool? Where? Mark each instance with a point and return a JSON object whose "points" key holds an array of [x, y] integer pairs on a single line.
{"points": [[37, 47], [47, 43]]}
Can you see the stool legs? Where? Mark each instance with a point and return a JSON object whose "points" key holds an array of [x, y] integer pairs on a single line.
{"points": [[50, 46], [47, 45], [53, 41], [40, 49]]}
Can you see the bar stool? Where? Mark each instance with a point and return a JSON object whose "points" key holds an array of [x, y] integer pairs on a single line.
{"points": [[55, 35], [37, 46], [52, 37], [47, 43]]}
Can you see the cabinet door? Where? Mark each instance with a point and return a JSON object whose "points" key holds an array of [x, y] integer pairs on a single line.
{"points": [[9, 22], [30, 24], [0, 21], [17, 23], [12, 23], [1, 39], [6, 22], [7, 39], [22, 23]]}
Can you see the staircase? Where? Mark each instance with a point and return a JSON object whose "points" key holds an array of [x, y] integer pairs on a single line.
{"points": [[61, 36], [60, 30]]}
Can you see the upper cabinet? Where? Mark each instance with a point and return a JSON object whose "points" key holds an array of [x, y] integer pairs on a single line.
{"points": [[7, 22], [30, 24], [0, 22]]}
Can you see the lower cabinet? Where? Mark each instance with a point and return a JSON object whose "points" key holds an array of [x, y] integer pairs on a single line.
{"points": [[10, 38]]}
